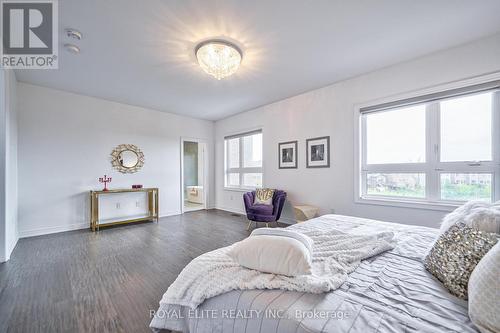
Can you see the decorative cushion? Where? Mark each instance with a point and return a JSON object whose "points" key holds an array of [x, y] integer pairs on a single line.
{"points": [[261, 209], [484, 289], [263, 196], [455, 254], [481, 215], [276, 251]]}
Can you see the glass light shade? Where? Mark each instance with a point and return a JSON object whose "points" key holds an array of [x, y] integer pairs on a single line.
{"points": [[218, 58]]}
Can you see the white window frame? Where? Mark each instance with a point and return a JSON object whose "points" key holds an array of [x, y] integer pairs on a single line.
{"points": [[432, 168], [241, 170]]}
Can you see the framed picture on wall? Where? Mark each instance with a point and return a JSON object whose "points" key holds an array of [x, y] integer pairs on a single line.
{"points": [[287, 152], [318, 152]]}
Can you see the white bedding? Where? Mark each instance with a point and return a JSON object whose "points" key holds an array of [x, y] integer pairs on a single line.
{"points": [[335, 254], [390, 292]]}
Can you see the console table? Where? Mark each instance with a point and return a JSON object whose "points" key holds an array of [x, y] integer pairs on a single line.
{"points": [[153, 206]]}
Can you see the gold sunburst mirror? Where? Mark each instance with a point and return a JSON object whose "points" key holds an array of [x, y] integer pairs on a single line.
{"points": [[127, 158]]}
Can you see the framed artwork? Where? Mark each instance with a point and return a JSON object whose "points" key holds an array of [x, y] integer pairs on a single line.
{"points": [[287, 152], [318, 152]]}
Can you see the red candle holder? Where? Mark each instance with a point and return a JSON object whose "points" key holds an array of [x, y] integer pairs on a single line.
{"points": [[105, 180]]}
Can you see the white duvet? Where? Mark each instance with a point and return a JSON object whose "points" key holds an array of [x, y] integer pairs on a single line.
{"points": [[335, 255]]}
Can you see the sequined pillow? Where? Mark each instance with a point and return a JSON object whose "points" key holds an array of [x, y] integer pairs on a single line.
{"points": [[455, 255], [263, 196]]}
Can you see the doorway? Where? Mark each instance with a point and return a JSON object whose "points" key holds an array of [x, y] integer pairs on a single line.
{"points": [[193, 175]]}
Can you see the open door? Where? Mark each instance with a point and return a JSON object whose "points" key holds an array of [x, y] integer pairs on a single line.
{"points": [[193, 175]]}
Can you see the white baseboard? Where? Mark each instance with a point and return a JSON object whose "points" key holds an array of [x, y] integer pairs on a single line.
{"points": [[285, 220], [53, 230], [11, 248], [69, 227], [78, 226], [177, 212], [231, 210]]}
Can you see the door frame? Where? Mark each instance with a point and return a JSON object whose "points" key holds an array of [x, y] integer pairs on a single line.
{"points": [[202, 143]]}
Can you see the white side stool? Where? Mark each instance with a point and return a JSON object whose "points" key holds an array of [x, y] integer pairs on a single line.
{"points": [[305, 212]]}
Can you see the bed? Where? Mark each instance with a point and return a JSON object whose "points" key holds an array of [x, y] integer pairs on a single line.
{"points": [[391, 292]]}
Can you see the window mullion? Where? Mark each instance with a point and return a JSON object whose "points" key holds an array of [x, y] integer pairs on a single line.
{"points": [[363, 190], [432, 151], [364, 143], [251, 170], [363, 157], [495, 132], [241, 161], [226, 160]]}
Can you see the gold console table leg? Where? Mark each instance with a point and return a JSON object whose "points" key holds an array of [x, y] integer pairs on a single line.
{"points": [[92, 226], [94, 211], [157, 208]]}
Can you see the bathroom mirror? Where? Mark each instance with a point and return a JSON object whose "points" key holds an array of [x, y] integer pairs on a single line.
{"points": [[127, 158]]}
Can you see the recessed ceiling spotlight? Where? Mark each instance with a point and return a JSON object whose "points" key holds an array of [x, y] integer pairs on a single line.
{"points": [[218, 58], [71, 48], [73, 33]]}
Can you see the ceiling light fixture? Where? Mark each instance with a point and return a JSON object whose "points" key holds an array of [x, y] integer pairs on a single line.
{"points": [[73, 33], [218, 58], [71, 48]]}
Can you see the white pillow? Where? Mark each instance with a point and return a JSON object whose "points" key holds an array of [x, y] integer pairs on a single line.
{"points": [[483, 289], [276, 251], [481, 215]]}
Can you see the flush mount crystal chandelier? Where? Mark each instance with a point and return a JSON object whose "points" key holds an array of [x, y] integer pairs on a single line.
{"points": [[218, 58]]}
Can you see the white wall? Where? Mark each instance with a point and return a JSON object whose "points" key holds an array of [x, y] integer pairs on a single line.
{"points": [[3, 165], [65, 141], [11, 183], [8, 168], [329, 111]]}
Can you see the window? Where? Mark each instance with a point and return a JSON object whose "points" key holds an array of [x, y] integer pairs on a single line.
{"points": [[243, 156], [439, 148], [396, 136]]}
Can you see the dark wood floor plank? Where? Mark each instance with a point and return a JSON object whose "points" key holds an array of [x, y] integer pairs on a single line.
{"points": [[108, 281]]}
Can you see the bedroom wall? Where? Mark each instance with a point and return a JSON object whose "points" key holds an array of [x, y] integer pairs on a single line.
{"points": [[65, 141], [11, 183], [3, 164], [329, 111], [8, 168]]}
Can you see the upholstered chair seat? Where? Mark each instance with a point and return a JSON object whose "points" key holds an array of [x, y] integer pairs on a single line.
{"points": [[262, 210]]}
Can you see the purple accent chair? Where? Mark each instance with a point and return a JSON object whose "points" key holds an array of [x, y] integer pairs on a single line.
{"points": [[264, 213]]}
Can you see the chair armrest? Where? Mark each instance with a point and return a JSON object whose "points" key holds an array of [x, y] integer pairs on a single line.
{"points": [[248, 200], [278, 203]]}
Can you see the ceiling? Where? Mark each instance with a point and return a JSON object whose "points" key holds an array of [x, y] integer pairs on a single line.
{"points": [[142, 52]]}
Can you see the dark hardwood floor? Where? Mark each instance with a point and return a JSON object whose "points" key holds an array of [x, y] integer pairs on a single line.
{"points": [[108, 281]]}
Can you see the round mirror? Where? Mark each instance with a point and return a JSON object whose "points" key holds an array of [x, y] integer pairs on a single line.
{"points": [[128, 159]]}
